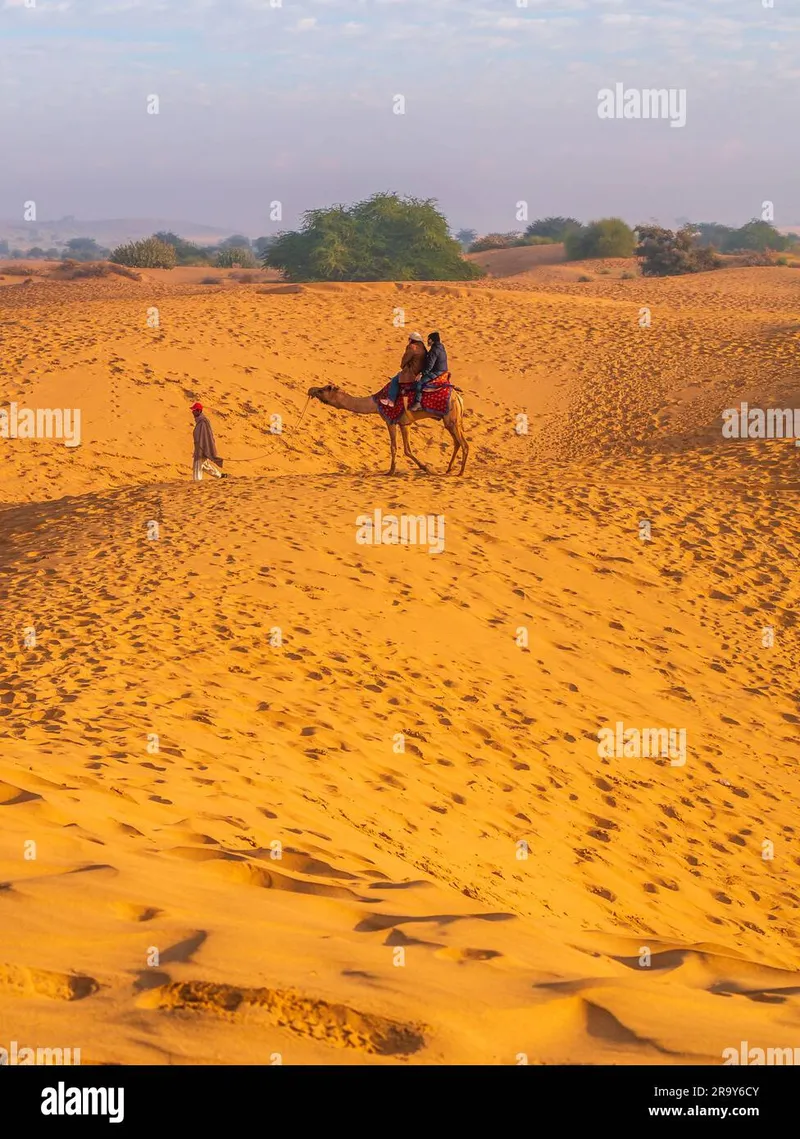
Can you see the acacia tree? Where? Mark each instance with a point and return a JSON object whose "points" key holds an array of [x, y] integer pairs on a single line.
{"points": [[383, 238]]}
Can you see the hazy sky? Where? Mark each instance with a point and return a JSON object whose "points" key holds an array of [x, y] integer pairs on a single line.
{"points": [[295, 103]]}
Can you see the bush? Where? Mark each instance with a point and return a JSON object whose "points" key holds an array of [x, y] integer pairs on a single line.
{"points": [[582, 280], [609, 237], [663, 253], [186, 252], [495, 241], [244, 278], [627, 276], [211, 280], [384, 238], [553, 228], [147, 254], [782, 261], [235, 257]]}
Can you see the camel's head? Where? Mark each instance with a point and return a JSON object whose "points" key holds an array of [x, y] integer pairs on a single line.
{"points": [[323, 394]]}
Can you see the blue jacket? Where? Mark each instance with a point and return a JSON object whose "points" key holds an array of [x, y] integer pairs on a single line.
{"points": [[435, 362]]}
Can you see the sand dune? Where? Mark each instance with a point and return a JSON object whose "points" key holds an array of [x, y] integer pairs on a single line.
{"points": [[374, 826]]}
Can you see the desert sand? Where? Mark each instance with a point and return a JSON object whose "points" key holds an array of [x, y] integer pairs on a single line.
{"points": [[144, 914]]}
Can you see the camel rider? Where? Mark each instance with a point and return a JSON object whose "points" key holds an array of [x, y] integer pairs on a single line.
{"points": [[435, 366], [410, 366]]}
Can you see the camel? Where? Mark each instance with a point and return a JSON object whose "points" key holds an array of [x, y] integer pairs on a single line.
{"points": [[332, 396]]}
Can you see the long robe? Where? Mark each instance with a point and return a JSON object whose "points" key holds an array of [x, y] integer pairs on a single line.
{"points": [[205, 446]]}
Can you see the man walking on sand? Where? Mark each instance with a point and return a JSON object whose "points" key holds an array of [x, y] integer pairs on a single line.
{"points": [[205, 448]]}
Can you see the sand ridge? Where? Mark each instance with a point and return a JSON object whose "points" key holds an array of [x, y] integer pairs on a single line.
{"points": [[278, 662]]}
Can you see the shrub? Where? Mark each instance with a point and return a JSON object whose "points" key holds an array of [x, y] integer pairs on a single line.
{"points": [[782, 261], [583, 279], [495, 241], [609, 237], [384, 238], [553, 228], [211, 280], [627, 276], [20, 271], [186, 252], [663, 253], [147, 254], [235, 257], [244, 278]]}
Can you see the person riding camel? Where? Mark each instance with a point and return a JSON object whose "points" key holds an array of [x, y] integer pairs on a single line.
{"points": [[411, 365], [435, 366]]}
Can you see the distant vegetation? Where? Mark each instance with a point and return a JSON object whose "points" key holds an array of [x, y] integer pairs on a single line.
{"points": [[390, 237], [554, 228], [507, 241], [609, 237], [384, 238], [147, 254], [756, 235], [663, 253], [235, 257], [697, 248]]}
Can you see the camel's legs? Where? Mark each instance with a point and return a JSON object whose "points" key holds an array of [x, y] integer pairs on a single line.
{"points": [[464, 450], [393, 444], [458, 425], [456, 445], [409, 453]]}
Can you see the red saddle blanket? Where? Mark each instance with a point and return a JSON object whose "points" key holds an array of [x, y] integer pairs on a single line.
{"points": [[436, 397]]}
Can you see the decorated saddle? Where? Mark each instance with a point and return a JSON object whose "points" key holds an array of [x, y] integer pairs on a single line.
{"points": [[436, 396]]}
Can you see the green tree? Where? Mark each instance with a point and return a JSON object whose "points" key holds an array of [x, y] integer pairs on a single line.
{"points": [[237, 241], [757, 235], [262, 244], [609, 237], [713, 233], [84, 249], [147, 254], [466, 237], [384, 238], [556, 228]]}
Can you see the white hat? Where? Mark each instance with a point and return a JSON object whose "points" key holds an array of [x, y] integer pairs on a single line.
{"points": [[416, 336]]}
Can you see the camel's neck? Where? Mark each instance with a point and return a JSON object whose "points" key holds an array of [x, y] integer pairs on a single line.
{"points": [[359, 405]]}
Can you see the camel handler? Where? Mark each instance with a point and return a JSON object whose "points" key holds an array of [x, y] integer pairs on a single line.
{"points": [[410, 366], [205, 447]]}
